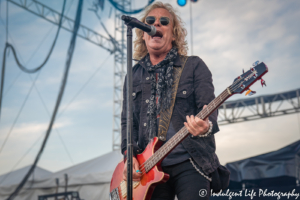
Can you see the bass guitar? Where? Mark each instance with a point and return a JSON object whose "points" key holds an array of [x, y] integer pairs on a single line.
{"points": [[150, 159]]}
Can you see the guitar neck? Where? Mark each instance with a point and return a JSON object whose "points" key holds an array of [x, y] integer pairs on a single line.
{"points": [[183, 132]]}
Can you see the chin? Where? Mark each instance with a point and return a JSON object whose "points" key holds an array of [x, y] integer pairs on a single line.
{"points": [[156, 46]]}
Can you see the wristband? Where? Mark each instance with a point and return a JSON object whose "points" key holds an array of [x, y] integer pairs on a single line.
{"points": [[208, 133]]}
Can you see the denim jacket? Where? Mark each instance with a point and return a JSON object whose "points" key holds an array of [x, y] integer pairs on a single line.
{"points": [[195, 90]]}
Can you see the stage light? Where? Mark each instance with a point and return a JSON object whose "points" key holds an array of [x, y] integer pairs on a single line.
{"points": [[181, 2]]}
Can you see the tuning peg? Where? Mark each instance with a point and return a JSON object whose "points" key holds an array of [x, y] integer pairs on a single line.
{"points": [[263, 82], [250, 92], [255, 63]]}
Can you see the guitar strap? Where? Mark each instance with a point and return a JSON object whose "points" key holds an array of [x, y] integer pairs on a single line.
{"points": [[165, 115]]}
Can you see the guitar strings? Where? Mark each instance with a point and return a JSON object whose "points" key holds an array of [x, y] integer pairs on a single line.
{"points": [[205, 112], [158, 152]]}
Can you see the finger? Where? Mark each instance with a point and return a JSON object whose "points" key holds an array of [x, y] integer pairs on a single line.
{"points": [[136, 164], [206, 119], [125, 173], [197, 125], [189, 124], [205, 125], [125, 170], [199, 121], [194, 123], [135, 176], [201, 125], [192, 129], [137, 172]]}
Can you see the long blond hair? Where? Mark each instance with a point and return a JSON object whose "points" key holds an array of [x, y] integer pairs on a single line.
{"points": [[179, 32]]}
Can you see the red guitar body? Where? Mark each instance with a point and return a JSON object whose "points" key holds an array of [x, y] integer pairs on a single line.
{"points": [[148, 181]]}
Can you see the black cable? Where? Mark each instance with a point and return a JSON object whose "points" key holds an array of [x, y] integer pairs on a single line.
{"points": [[7, 46], [298, 122], [43, 40], [23, 68], [129, 12], [14, 167], [68, 153], [67, 67], [6, 20], [36, 50], [18, 162], [13, 42], [17, 117], [83, 86], [13, 82], [59, 135]]}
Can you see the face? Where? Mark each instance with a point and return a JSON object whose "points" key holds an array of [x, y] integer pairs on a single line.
{"points": [[161, 42]]}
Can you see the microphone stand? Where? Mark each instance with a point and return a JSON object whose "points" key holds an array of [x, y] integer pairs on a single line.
{"points": [[129, 109]]}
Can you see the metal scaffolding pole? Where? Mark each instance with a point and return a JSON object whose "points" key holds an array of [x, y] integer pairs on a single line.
{"points": [[53, 16], [259, 107], [119, 73]]}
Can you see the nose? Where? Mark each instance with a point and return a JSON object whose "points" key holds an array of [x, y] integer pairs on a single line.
{"points": [[156, 23]]}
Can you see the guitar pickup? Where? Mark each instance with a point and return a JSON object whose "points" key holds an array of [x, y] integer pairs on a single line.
{"points": [[123, 187]]}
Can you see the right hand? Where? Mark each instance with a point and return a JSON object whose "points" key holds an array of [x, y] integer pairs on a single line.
{"points": [[136, 176]]}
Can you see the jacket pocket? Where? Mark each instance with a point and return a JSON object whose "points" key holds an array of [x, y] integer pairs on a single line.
{"points": [[184, 92], [185, 99], [136, 98], [136, 91]]}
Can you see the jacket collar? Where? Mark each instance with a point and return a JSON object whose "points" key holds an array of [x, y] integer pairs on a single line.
{"points": [[177, 62]]}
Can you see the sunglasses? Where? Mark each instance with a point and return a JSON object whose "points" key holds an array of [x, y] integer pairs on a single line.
{"points": [[163, 20]]}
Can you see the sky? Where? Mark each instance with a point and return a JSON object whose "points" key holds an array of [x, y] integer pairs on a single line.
{"points": [[229, 35]]}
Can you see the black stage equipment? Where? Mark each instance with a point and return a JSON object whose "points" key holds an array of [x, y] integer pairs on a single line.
{"points": [[135, 23]]}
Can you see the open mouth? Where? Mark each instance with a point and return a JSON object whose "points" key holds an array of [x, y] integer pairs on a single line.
{"points": [[158, 34]]}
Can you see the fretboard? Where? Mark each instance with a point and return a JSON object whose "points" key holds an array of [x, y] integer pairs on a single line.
{"points": [[162, 152]]}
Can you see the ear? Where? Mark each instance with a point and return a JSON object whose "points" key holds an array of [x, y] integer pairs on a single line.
{"points": [[173, 36], [144, 36]]}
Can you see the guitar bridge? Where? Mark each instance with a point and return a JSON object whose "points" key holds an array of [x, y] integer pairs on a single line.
{"points": [[114, 195]]}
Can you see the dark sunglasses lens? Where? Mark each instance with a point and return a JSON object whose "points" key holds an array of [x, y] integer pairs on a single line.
{"points": [[150, 20], [164, 21]]}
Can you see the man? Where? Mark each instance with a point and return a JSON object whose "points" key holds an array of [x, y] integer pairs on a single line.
{"points": [[191, 164]]}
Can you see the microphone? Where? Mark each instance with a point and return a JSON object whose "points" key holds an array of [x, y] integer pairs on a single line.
{"points": [[133, 22]]}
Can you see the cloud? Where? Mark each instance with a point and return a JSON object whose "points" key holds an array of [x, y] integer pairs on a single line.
{"points": [[26, 131], [80, 105]]}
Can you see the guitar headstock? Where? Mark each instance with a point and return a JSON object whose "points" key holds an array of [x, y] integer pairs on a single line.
{"points": [[244, 81]]}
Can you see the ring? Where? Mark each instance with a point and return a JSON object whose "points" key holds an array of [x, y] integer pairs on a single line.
{"points": [[138, 171]]}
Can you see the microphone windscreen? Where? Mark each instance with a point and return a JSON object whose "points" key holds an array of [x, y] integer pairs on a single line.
{"points": [[153, 31]]}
